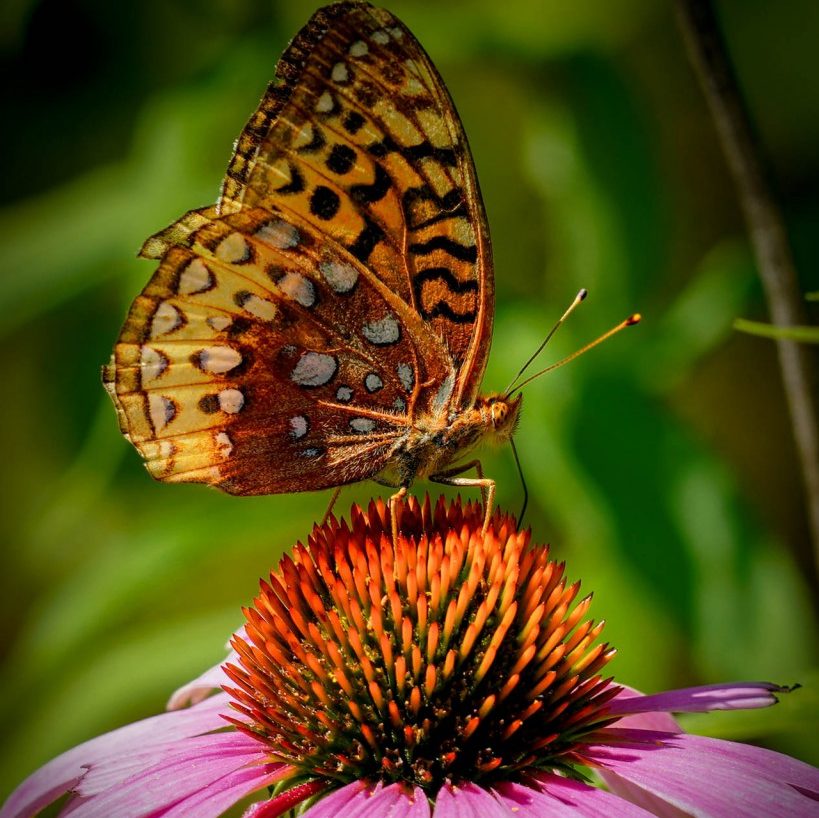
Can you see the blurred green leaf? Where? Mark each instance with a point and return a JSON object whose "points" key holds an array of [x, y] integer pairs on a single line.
{"points": [[91, 229], [700, 317]]}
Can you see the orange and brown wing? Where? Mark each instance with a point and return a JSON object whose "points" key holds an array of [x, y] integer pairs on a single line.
{"points": [[357, 134], [341, 286]]}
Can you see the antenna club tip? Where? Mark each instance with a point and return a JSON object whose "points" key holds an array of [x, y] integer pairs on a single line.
{"points": [[634, 319], [581, 296]]}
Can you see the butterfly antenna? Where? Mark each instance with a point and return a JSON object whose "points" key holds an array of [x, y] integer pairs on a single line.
{"points": [[522, 481], [581, 296], [629, 322]]}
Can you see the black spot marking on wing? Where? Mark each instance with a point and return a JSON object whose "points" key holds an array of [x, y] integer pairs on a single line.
{"points": [[324, 203]]}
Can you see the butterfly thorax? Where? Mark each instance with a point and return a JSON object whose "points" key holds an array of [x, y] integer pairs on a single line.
{"points": [[435, 444]]}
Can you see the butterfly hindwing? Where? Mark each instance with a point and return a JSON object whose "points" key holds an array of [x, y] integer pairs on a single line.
{"points": [[255, 359]]}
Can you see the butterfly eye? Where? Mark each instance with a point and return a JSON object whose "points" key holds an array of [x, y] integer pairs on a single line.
{"points": [[499, 413]]}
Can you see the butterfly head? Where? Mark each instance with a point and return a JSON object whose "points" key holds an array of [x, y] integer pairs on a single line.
{"points": [[501, 415]]}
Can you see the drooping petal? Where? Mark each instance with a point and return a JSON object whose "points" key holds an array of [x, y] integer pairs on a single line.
{"points": [[700, 699], [655, 722], [197, 769], [659, 721], [383, 802], [203, 685], [62, 773], [712, 777]]}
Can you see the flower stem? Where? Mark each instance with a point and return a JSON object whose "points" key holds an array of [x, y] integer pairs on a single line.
{"points": [[763, 217]]}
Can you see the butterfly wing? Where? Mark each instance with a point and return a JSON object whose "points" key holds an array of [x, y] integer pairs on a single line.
{"points": [[341, 286], [358, 133]]}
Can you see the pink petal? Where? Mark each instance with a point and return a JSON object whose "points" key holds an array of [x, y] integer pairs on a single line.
{"points": [[198, 765], [700, 699], [218, 796], [645, 721], [361, 800], [62, 773], [395, 801], [115, 770], [469, 801], [335, 804], [417, 805], [386, 802], [647, 800], [552, 796], [711, 777], [655, 722]]}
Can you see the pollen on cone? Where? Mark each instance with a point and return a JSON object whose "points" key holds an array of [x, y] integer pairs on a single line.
{"points": [[443, 654]]}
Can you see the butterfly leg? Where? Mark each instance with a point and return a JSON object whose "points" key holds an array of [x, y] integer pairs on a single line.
{"points": [[399, 495], [336, 492], [487, 485], [456, 471]]}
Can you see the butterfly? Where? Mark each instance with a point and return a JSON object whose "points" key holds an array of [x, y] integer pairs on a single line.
{"points": [[329, 319]]}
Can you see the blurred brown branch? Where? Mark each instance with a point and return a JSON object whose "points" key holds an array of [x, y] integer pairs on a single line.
{"points": [[709, 55]]}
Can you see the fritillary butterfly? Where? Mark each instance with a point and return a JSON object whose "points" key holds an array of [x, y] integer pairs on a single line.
{"points": [[329, 319]]}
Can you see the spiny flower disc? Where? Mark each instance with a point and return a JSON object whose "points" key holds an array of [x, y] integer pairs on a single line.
{"points": [[447, 655]]}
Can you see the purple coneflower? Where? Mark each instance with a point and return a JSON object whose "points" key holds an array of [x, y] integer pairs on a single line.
{"points": [[449, 673]]}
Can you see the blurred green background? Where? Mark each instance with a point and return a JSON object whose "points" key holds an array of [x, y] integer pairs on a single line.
{"points": [[661, 466]]}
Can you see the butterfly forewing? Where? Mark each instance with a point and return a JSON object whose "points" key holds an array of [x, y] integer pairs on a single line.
{"points": [[359, 135], [340, 288]]}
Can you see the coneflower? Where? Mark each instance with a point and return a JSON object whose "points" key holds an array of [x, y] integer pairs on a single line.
{"points": [[449, 656], [447, 672]]}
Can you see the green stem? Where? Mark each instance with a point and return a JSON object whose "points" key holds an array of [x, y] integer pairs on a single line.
{"points": [[803, 335]]}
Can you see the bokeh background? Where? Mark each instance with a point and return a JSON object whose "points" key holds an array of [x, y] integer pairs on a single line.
{"points": [[661, 466]]}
